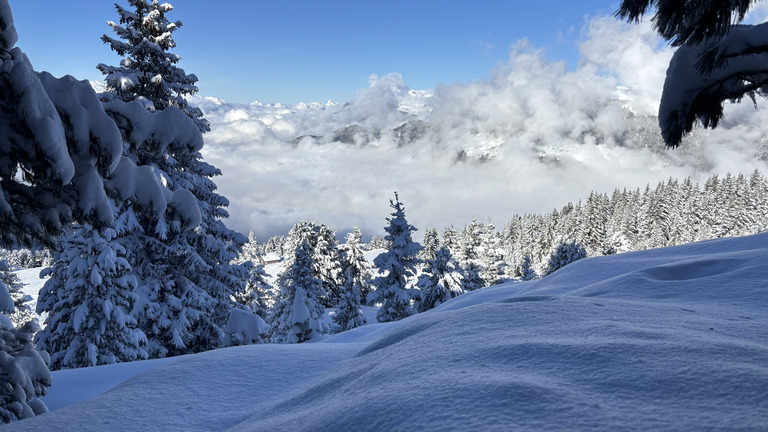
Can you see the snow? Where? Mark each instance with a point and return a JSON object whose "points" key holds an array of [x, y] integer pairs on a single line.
{"points": [[8, 36], [248, 327], [664, 339]]}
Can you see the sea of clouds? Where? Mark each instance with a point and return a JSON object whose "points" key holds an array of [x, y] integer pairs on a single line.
{"points": [[532, 136]]}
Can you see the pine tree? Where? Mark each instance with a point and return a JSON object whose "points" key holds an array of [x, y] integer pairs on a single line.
{"points": [[22, 313], [60, 155], [397, 268], [251, 251], [564, 254], [297, 316], [348, 312], [355, 268], [87, 300], [431, 244], [595, 234], [525, 271], [357, 283], [440, 281], [24, 372], [493, 262], [258, 295], [328, 267], [325, 256], [148, 71], [276, 245], [451, 240], [377, 243], [182, 264], [187, 294], [470, 255]]}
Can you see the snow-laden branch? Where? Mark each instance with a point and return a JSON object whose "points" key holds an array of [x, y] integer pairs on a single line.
{"points": [[740, 68]]}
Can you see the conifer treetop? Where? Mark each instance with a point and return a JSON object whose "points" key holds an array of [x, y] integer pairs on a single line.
{"points": [[148, 71]]}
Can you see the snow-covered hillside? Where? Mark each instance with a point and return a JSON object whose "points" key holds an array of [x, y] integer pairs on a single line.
{"points": [[665, 339]]}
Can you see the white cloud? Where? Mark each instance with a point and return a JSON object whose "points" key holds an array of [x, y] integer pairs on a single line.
{"points": [[531, 137]]}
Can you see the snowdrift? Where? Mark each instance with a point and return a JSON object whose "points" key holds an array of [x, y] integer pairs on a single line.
{"points": [[666, 339]]}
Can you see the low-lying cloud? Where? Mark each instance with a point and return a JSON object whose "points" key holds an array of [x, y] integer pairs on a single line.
{"points": [[530, 137]]}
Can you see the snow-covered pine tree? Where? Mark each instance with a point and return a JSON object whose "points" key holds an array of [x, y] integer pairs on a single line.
{"points": [[52, 172], [276, 245], [441, 280], [526, 272], [348, 312], [357, 283], [325, 256], [87, 300], [148, 72], [470, 255], [188, 292], [297, 316], [24, 373], [564, 254], [328, 266], [397, 268], [302, 231], [594, 230], [22, 313], [430, 245], [377, 243], [251, 250], [451, 240], [492, 261], [258, 296], [355, 268]]}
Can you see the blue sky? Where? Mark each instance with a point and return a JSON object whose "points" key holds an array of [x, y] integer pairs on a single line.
{"points": [[291, 51]]}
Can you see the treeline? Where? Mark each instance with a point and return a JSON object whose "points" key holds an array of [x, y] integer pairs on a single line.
{"points": [[455, 261], [672, 213]]}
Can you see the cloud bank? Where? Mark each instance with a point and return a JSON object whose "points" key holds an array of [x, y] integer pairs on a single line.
{"points": [[530, 137]]}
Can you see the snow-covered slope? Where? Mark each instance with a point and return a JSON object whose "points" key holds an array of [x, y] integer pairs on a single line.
{"points": [[666, 339]]}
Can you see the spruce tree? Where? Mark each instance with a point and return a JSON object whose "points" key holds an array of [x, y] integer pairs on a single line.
{"points": [[251, 250], [355, 268], [24, 370], [22, 313], [87, 300], [471, 255], [397, 268], [258, 294], [348, 313], [276, 245], [60, 155], [325, 256], [451, 240], [357, 283], [148, 72], [187, 277], [328, 266], [564, 254], [431, 244], [297, 316], [441, 280], [492, 260], [526, 272], [377, 243]]}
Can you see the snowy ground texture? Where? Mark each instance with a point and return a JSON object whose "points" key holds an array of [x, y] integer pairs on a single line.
{"points": [[667, 339]]}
